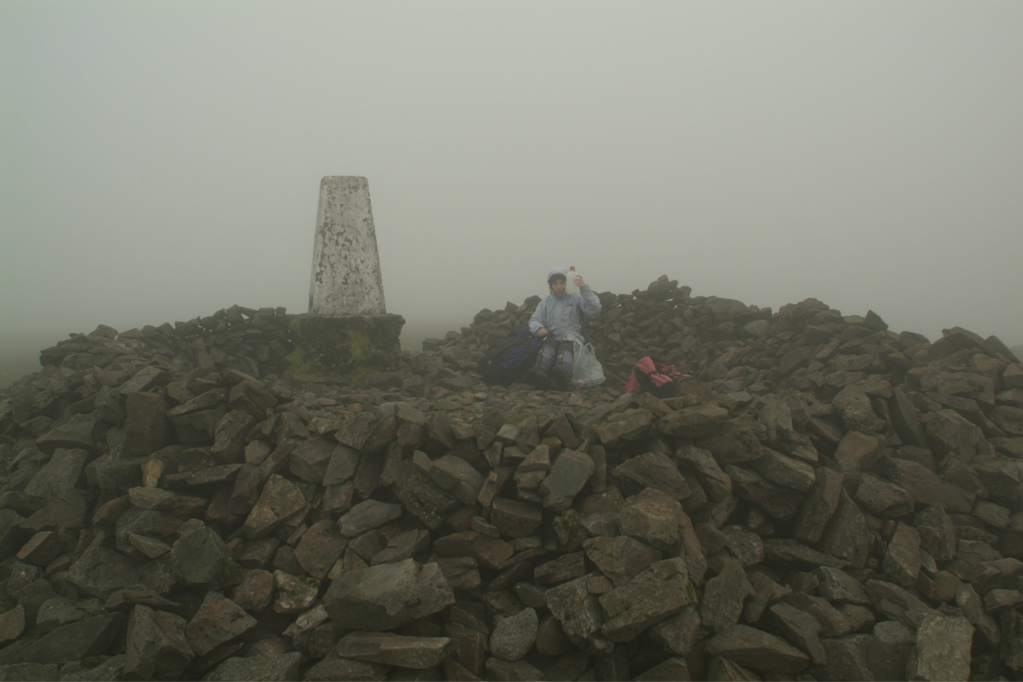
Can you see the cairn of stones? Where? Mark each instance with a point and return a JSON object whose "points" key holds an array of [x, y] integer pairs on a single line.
{"points": [[825, 500]]}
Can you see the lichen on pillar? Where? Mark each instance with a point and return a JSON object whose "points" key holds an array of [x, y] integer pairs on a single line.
{"points": [[347, 332], [346, 277]]}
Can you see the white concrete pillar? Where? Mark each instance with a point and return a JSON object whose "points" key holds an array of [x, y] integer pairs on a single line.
{"points": [[346, 276]]}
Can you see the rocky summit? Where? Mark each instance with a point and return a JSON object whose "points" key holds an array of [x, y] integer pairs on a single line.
{"points": [[825, 500]]}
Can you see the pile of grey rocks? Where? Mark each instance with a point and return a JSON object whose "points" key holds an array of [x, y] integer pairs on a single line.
{"points": [[826, 500]]}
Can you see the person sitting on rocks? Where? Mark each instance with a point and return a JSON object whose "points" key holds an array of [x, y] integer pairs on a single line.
{"points": [[560, 317]]}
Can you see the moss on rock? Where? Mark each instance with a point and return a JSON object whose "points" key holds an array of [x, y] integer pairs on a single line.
{"points": [[347, 347]]}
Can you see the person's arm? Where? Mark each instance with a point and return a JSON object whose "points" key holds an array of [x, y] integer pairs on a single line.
{"points": [[590, 302], [537, 323]]}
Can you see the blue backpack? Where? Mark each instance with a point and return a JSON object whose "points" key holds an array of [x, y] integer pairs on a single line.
{"points": [[508, 361]]}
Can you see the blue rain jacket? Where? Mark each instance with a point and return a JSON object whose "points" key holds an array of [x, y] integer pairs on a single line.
{"points": [[563, 316]]}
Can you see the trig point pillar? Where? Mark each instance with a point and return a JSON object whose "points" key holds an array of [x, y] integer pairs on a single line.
{"points": [[347, 335], [346, 265]]}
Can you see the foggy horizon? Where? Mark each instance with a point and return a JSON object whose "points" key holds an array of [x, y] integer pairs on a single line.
{"points": [[162, 160]]}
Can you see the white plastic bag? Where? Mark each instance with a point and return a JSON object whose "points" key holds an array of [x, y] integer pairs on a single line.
{"points": [[587, 370]]}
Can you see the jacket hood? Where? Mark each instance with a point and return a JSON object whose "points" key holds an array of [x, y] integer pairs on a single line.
{"points": [[557, 271]]}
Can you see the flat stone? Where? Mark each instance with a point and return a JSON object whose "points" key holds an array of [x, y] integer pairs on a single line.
{"points": [[845, 659], [848, 537], [778, 501], [744, 545], [792, 553], [943, 646], [280, 503], [260, 668], [59, 475], [902, 556], [488, 551], [565, 567], [146, 423], [853, 404], [784, 470], [200, 557], [310, 460], [655, 470], [837, 585], [73, 642], [73, 435], [42, 548], [580, 615], [800, 628], [569, 473], [319, 548], [294, 594], [218, 621], [907, 420], [626, 425], [457, 476], [883, 498], [155, 645], [515, 518], [755, 648], [653, 595], [514, 636], [511, 670], [654, 518], [344, 462], [403, 546], [367, 515], [674, 668], [12, 624], [387, 596], [620, 558], [157, 499], [696, 422], [925, 486], [716, 482], [420, 496], [144, 379], [937, 533], [255, 591], [101, 571], [724, 596], [897, 604], [857, 452]]}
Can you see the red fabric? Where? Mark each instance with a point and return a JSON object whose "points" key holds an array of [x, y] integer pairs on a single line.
{"points": [[659, 376]]}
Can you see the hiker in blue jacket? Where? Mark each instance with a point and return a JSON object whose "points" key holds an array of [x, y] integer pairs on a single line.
{"points": [[560, 317]]}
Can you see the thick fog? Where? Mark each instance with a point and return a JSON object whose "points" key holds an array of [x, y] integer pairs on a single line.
{"points": [[161, 160]]}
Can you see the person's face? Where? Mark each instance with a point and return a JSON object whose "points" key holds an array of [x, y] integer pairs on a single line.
{"points": [[558, 287]]}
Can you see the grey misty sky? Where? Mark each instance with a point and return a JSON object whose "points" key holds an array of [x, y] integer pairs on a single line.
{"points": [[161, 160]]}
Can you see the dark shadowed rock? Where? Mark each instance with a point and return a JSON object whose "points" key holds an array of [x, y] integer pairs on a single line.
{"points": [[156, 645], [200, 557], [417, 653], [73, 642], [757, 649], [218, 621], [264, 668], [101, 571]]}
